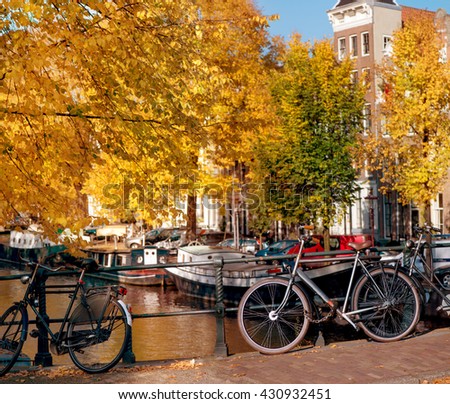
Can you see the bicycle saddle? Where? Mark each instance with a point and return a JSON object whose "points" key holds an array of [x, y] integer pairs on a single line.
{"points": [[360, 246], [89, 264]]}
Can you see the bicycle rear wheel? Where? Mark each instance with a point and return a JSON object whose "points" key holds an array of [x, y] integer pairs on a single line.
{"points": [[390, 302], [262, 328], [97, 342], [13, 333]]}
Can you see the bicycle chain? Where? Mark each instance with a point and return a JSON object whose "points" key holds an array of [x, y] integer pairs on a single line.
{"points": [[322, 319]]}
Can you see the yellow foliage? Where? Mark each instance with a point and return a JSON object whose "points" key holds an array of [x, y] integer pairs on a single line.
{"points": [[414, 151], [93, 93]]}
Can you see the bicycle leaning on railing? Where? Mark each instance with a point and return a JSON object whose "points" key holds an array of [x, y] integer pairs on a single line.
{"points": [[95, 329], [274, 314], [430, 280]]}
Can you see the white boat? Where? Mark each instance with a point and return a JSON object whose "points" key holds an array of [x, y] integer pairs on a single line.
{"points": [[200, 280]]}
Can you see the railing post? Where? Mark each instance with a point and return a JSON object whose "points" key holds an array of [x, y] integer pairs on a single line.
{"points": [[43, 356], [221, 348]]}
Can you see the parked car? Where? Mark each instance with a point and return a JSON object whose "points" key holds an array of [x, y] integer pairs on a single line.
{"points": [[211, 237], [152, 237], [171, 239], [137, 241], [278, 248], [337, 243], [247, 245]]}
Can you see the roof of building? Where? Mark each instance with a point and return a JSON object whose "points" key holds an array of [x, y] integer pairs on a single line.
{"points": [[347, 2], [411, 12]]}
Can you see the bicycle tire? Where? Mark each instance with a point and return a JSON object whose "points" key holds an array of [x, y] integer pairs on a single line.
{"points": [[395, 315], [94, 349], [13, 333], [267, 334]]}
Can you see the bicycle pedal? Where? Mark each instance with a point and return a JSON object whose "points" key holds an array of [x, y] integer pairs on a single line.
{"points": [[34, 333]]}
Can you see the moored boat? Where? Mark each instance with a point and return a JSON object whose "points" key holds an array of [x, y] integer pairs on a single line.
{"points": [[17, 246], [200, 280], [135, 264]]}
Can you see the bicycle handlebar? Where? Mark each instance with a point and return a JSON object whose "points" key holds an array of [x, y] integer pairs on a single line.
{"points": [[305, 236], [38, 264], [85, 264]]}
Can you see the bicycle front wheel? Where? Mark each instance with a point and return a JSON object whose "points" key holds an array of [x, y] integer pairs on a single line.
{"points": [[13, 333], [389, 304], [264, 326], [96, 341]]}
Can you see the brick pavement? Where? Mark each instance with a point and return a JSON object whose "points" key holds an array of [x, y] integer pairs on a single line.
{"points": [[417, 359]]}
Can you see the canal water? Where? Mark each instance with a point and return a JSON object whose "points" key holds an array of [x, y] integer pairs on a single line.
{"points": [[154, 338], [165, 337]]}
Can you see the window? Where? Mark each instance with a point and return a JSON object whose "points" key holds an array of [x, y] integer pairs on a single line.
{"points": [[387, 45], [354, 46], [342, 48], [359, 210], [354, 76], [121, 260], [439, 218], [365, 43], [367, 119]]}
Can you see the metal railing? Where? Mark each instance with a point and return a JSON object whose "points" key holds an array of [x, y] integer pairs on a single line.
{"points": [[43, 356]]}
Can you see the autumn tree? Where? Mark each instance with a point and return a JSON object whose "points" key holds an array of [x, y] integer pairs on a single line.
{"points": [[307, 168], [95, 95], [414, 153]]}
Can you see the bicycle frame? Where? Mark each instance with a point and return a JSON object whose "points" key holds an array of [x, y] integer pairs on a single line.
{"points": [[73, 290], [297, 270]]}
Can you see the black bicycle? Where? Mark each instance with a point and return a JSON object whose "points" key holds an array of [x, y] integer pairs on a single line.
{"points": [[94, 331]]}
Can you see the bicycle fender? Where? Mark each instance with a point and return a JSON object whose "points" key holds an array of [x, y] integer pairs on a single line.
{"points": [[124, 306], [25, 329]]}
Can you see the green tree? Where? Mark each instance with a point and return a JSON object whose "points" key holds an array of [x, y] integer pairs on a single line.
{"points": [[307, 168]]}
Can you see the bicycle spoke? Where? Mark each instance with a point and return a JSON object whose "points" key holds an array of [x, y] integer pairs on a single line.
{"points": [[392, 317], [97, 345], [270, 323], [13, 328]]}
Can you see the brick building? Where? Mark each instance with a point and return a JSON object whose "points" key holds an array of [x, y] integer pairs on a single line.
{"points": [[363, 30]]}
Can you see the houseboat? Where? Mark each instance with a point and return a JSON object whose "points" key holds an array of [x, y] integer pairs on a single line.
{"points": [[16, 247], [200, 280], [135, 263]]}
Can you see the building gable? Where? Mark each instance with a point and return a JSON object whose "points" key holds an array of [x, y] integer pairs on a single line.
{"points": [[342, 3]]}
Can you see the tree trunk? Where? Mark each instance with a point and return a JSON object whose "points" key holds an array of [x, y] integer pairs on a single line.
{"points": [[82, 201], [426, 219], [191, 231], [326, 239]]}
